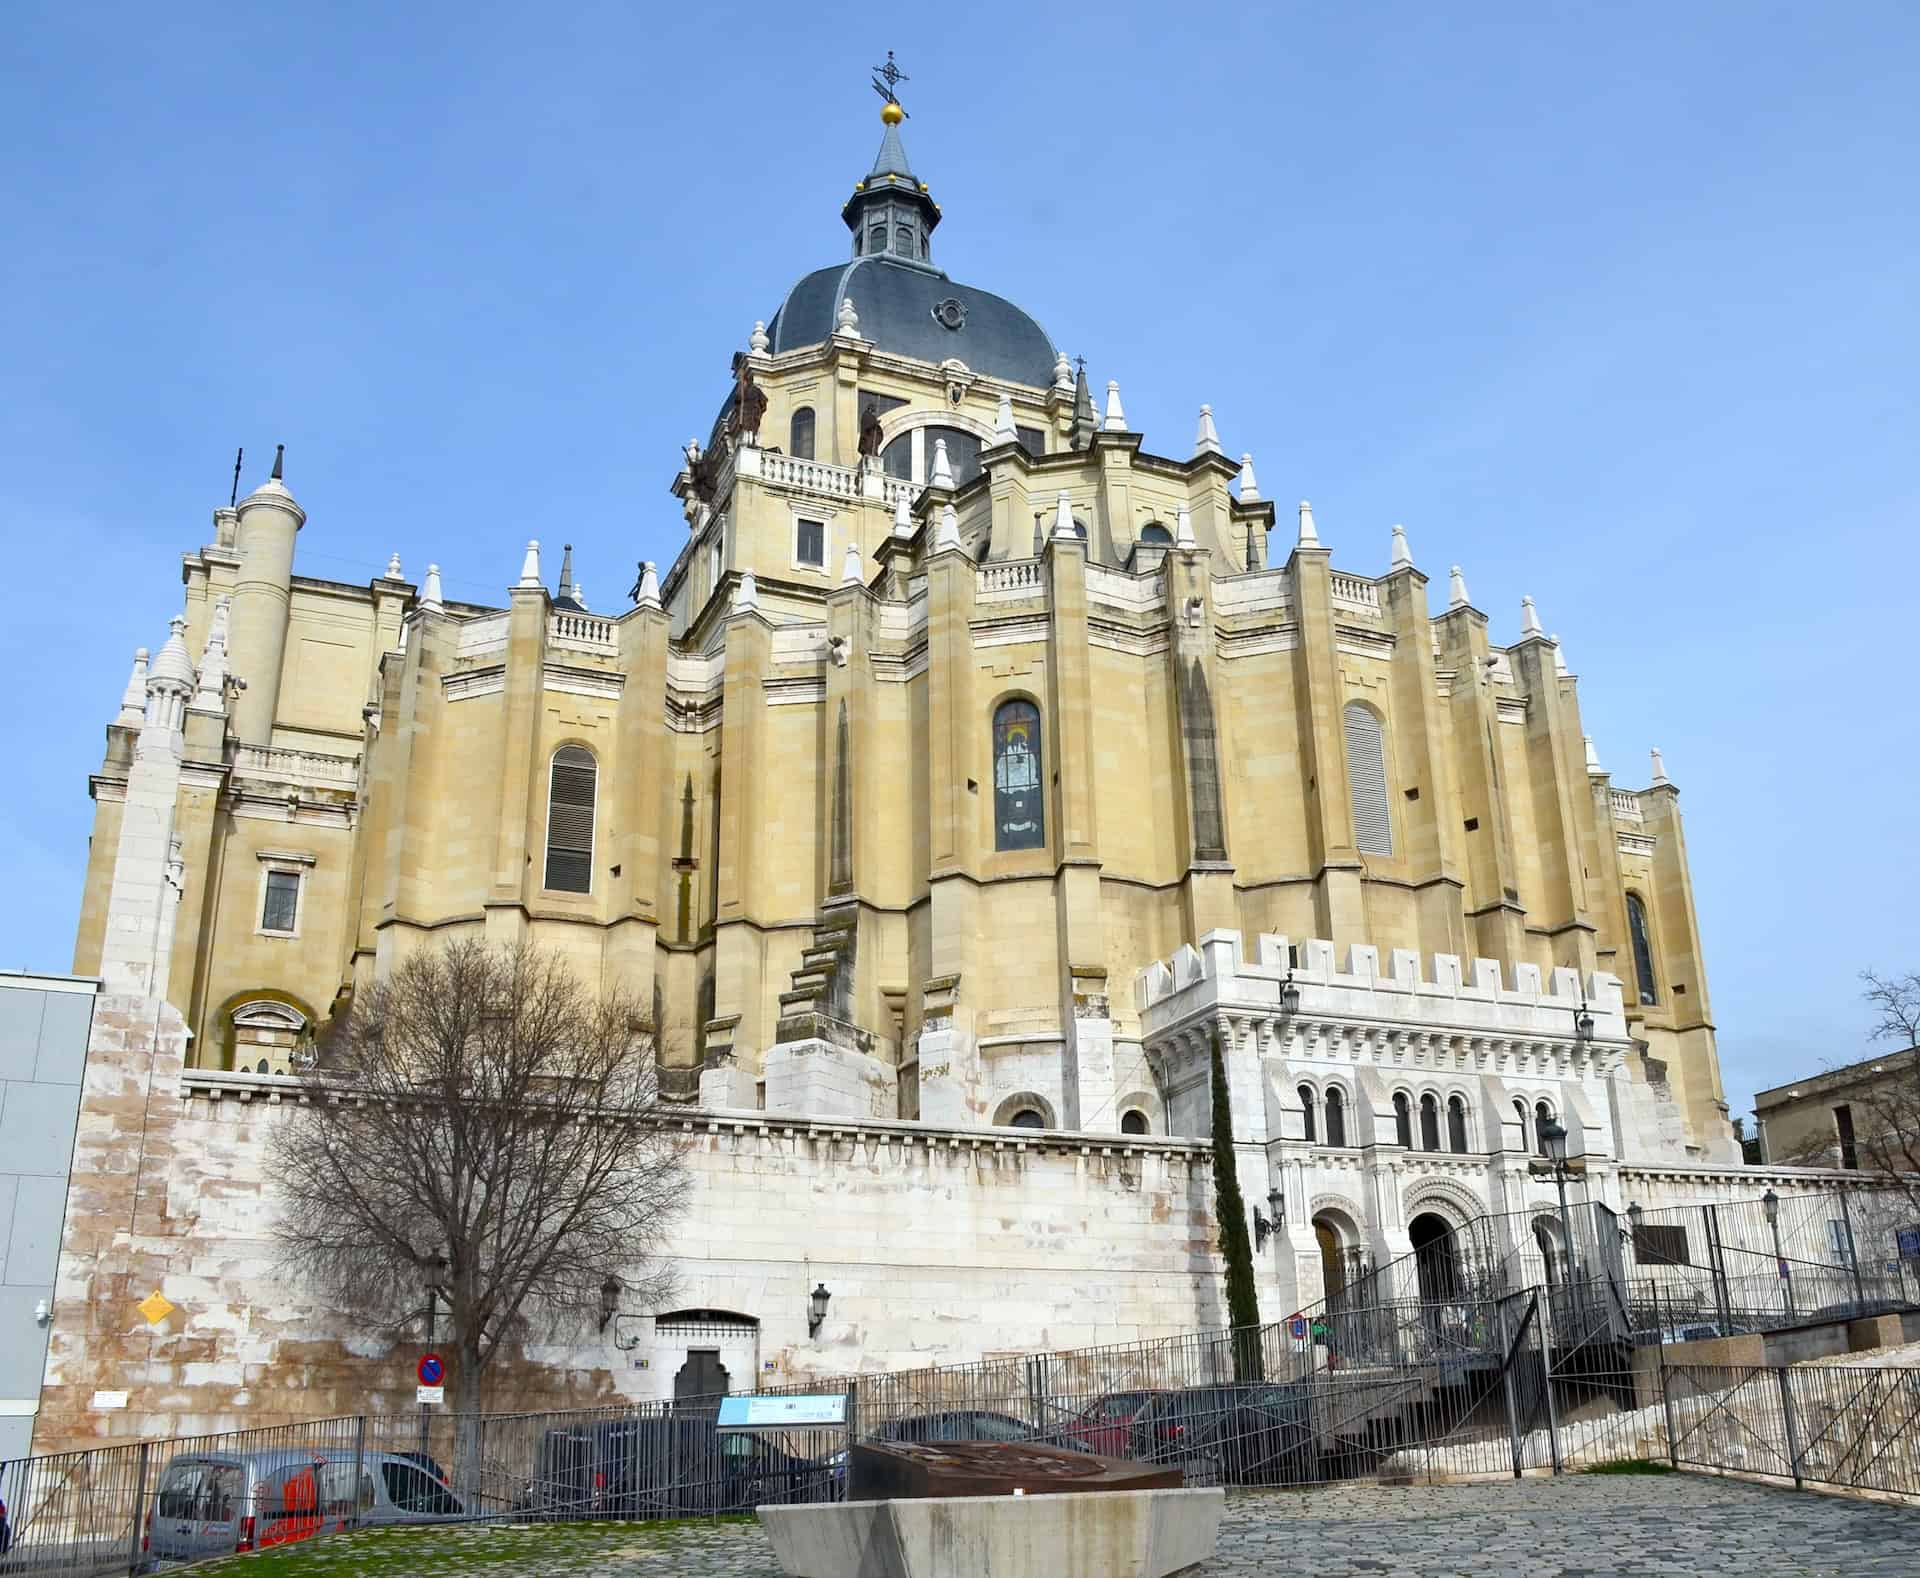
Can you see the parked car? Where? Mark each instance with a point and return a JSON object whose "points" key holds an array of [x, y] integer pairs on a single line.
{"points": [[664, 1466], [216, 1503], [958, 1424], [1233, 1434], [1105, 1427]]}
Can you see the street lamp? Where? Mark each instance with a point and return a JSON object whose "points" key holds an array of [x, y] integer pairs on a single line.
{"points": [[1770, 1203], [609, 1299], [1583, 1022], [1289, 994], [817, 1308], [1553, 1134], [1262, 1226]]}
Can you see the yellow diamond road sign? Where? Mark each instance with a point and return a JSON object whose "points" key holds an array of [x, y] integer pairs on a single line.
{"points": [[155, 1306]]}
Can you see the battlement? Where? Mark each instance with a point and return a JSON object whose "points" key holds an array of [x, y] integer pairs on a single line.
{"points": [[1473, 998]]}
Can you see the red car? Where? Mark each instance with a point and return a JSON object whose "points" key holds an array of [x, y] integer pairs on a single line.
{"points": [[1106, 1427]]}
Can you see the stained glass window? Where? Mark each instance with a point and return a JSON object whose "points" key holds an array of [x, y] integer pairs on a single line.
{"points": [[1019, 817]]}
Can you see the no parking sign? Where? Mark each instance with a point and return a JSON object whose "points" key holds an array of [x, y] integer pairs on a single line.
{"points": [[432, 1371]]}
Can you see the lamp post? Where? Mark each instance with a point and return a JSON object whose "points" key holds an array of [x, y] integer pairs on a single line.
{"points": [[432, 1270], [1770, 1203], [609, 1299], [1553, 1134]]}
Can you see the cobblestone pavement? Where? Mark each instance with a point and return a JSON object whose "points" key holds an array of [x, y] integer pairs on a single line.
{"points": [[1581, 1526]]}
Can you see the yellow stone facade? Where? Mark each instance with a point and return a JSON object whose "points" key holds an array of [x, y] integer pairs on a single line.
{"points": [[1192, 658]]}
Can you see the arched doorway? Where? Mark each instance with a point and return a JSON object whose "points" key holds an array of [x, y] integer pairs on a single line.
{"points": [[1547, 1241], [1333, 1270], [1438, 1270]]}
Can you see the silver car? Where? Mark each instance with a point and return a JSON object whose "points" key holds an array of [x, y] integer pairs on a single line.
{"points": [[216, 1503]]}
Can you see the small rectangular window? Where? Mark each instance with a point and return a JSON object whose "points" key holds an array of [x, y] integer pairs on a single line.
{"points": [[282, 906], [1032, 440], [1849, 1147], [1660, 1245], [811, 543]]}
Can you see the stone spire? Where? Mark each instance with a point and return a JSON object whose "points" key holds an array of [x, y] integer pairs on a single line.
{"points": [[851, 567], [1085, 423], [170, 686], [1116, 418], [1183, 529], [1063, 518], [1559, 657], [567, 588], [1457, 589], [1309, 537], [530, 566], [1063, 373], [1402, 554], [902, 515], [1207, 440], [940, 474], [949, 535], [1003, 428], [1529, 619], [1249, 483], [133, 700], [649, 586], [210, 695], [1660, 778], [1593, 756], [746, 594], [430, 593]]}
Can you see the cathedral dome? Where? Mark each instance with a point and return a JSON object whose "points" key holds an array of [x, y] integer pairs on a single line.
{"points": [[914, 310]]}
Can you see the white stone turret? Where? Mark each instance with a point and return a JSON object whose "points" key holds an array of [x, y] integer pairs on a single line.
{"points": [[269, 520], [1003, 428], [1402, 555], [133, 700], [1116, 421], [949, 534], [847, 321], [649, 586], [1529, 619], [530, 565], [1559, 658], [1063, 374], [1063, 530], [1660, 778], [1249, 483], [1309, 536], [1593, 756], [1457, 589], [210, 695], [851, 567], [940, 475], [1207, 440], [757, 342], [393, 568], [430, 593]]}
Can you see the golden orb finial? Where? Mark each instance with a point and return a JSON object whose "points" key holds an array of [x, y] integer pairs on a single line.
{"points": [[891, 114]]}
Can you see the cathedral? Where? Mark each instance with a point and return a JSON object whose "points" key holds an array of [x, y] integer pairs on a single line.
{"points": [[975, 763]]}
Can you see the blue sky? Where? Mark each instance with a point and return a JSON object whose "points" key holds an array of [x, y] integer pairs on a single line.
{"points": [[1613, 305]]}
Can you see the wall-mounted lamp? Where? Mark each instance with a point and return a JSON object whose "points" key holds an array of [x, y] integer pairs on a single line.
{"points": [[817, 1308], [1264, 1227], [1583, 1022], [1289, 995], [609, 1299]]}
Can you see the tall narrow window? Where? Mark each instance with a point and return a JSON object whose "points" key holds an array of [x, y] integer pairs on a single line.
{"points": [[1307, 1114], [1019, 820], [800, 434], [1367, 777], [810, 542], [1842, 1123], [1402, 1120], [1336, 1116], [570, 821], [282, 906], [1456, 1126], [1542, 1116], [1642, 948], [1429, 1124]]}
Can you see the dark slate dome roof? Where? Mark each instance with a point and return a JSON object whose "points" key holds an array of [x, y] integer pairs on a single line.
{"points": [[895, 300]]}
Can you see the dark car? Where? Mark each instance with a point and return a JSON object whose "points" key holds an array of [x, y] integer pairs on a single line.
{"points": [[1229, 1434], [957, 1424], [666, 1466], [1105, 1426]]}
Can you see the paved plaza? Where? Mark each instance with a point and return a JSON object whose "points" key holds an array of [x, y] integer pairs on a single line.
{"points": [[1582, 1526]]}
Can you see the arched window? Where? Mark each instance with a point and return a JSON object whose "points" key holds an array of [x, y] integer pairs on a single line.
{"points": [[570, 821], [1153, 534], [876, 238], [1027, 1118], [1134, 1121], [800, 434], [1367, 778], [1542, 1116], [1402, 1120], [1429, 1123], [1336, 1116], [1456, 1125], [1642, 948], [1019, 818], [1520, 1112], [1307, 1114]]}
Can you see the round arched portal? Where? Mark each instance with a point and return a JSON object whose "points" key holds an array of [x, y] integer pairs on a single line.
{"points": [[1434, 1260]]}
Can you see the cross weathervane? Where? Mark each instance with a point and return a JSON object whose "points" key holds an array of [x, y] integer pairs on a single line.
{"points": [[892, 76]]}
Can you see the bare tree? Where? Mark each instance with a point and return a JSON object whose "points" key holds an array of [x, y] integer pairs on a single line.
{"points": [[480, 1121]]}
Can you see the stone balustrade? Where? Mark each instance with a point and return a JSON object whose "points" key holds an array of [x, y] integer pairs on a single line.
{"points": [[588, 632], [1011, 577], [1355, 591], [314, 769], [1626, 805]]}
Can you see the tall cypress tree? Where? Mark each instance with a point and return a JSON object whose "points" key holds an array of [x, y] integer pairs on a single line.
{"points": [[1243, 1305]]}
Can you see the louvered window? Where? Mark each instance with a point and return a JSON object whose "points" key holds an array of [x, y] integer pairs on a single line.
{"points": [[570, 821], [1367, 776]]}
